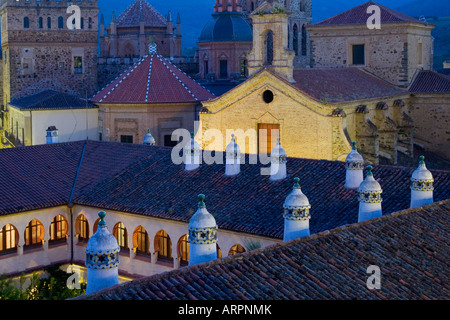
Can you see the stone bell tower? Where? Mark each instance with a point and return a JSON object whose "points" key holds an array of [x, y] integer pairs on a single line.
{"points": [[40, 46], [270, 42]]}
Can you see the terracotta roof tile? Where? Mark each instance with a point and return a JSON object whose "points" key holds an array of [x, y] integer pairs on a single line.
{"points": [[322, 266], [334, 85], [152, 80], [141, 9], [430, 82], [359, 15]]}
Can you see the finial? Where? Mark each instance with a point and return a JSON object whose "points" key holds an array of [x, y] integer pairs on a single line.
{"points": [[279, 141], [192, 135], [113, 17], [102, 215], [148, 130], [422, 160], [201, 204], [369, 170], [232, 137], [296, 185], [354, 145]]}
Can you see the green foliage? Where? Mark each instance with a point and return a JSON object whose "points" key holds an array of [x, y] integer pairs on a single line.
{"points": [[53, 287], [250, 245], [276, 10]]}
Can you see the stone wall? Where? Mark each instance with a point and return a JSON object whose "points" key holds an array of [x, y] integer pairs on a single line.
{"points": [[391, 53]]}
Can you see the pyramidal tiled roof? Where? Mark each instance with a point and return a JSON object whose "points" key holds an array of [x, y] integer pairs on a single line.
{"points": [[428, 81], [153, 80], [141, 9], [359, 15]]}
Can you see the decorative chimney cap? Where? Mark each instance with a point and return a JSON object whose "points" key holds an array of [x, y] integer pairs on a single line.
{"points": [[52, 128], [422, 179], [102, 250], [354, 160], [148, 139], [370, 190], [296, 206], [202, 226], [152, 48]]}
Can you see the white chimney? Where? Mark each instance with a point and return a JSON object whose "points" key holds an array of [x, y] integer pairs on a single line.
{"points": [[369, 198], [421, 185], [52, 135], [102, 258], [192, 154], [233, 158], [202, 235], [278, 160], [296, 214], [354, 165]]}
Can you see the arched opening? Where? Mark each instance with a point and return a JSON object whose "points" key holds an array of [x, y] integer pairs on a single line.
{"points": [[34, 234], [141, 242], [82, 228], [60, 23], [121, 234], [295, 39], [183, 250], [237, 248], [163, 246], [304, 40], [49, 23], [26, 23], [41, 23], [268, 48], [9, 238], [219, 251], [58, 229], [303, 5]]}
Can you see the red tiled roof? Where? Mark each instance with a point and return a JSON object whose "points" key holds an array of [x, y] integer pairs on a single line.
{"points": [[248, 202], [336, 85], [152, 80], [411, 249], [430, 82], [359, 15], [141, 8]]}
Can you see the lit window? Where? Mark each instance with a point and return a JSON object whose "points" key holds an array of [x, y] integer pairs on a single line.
{"points": [[141, 241], [34, 234], [78, 64], [267, 137], [58, 228], [163, 246], [237, 248], [9, 237], [121, 234], [183, 250], [82, 228]]}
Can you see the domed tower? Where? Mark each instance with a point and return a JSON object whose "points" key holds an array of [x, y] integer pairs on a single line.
{"points": [[148, 139], [102, 258], [369, 198], [192, 154], [233, 158], [354, 165], [202, 235], [421, 185], [224, 43], [278, 160], [296, 214]]}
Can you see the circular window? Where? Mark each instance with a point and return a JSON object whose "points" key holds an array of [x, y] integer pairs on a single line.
{"points": [[268, 96]]}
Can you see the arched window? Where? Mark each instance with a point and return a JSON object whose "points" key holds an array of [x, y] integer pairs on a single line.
{"points": [[34, 234], [140, 241], [163, 246], [60, 23], [26, 22], [41, 23], [82, 228], [304, 40], [252, 6], [269, 48], [295, 39], [58, 228], [49, 23], [90, 23], [237, 248], [303, 5], [82, 23], [121, 234], [9, 237], [183, 250]]}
